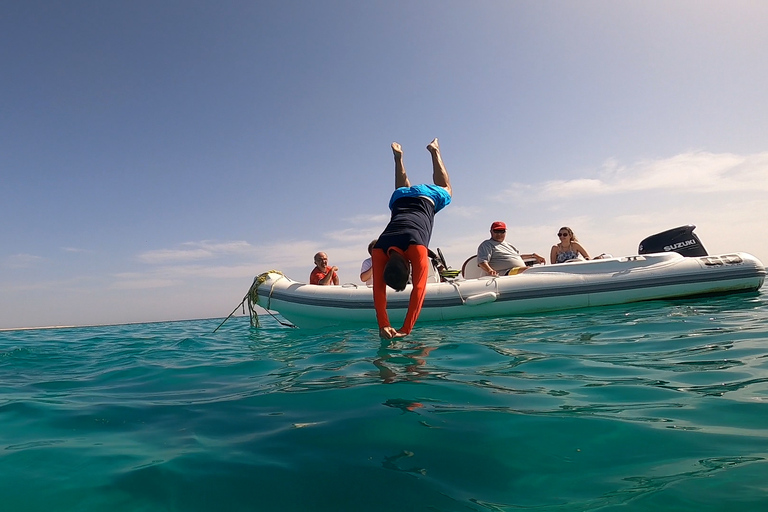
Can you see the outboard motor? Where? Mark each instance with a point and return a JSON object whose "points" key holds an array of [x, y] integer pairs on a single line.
{"points": [[681, 240]]}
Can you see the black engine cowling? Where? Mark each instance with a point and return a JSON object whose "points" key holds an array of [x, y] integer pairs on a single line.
{"points": [[681, 240]]}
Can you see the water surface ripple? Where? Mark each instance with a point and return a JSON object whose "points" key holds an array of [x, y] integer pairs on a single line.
{"points": [[660, 405]]}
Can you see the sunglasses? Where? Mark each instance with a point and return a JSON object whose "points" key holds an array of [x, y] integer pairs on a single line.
{"points": [[563, 234], [499, 231]]}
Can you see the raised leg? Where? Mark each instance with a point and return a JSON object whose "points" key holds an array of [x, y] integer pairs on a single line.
{"points": [[401, 178], [439, 174]]}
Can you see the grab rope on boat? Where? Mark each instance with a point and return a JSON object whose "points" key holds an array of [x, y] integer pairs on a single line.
{"points": [[252, 298], [478, 298]]}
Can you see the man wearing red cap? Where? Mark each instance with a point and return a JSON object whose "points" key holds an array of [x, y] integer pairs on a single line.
{"points": [[402, 248], [497, 257]]}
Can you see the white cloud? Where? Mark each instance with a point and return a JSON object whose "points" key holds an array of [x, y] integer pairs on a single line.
{"points": [[160, 256], [580, 187], [166, 276], [367, 219], [193, 251], [22, 260], [79, 282], [467, 212], [686, 173], [144, 284], [355, 235], [615, 206], [611, 210]]}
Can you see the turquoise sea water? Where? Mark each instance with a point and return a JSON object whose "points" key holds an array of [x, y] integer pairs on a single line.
{"points": [[653, 406]]}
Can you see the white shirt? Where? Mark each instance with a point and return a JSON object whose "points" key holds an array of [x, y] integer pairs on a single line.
{"points": [[501, 256], [367, 264]]}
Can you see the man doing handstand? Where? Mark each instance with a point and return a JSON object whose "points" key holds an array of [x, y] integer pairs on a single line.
{"points": [[402, 248]]}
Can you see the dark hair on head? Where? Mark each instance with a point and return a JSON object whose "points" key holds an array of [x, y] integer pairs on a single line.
{"points": [[396, 272], [370, 245]]}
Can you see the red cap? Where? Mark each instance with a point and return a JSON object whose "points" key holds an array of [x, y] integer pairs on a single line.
{"points": [[498, 225]]}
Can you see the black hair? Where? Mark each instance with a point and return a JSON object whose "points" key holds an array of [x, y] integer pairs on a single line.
{"points": [[396, 272]]}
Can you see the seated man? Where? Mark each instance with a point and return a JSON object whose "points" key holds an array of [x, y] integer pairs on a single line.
{"points": [[497, 257], [402, 247], [323, 274]]}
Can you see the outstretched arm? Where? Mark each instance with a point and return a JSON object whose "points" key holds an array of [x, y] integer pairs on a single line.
{"points": [[417, 254], [386, 331]]}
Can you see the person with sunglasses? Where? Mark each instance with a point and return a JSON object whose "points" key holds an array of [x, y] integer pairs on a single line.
{"points": [[401, 250], [568, 249], [497, 257]]}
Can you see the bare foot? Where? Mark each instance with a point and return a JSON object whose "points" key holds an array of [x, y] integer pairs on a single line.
{"points": [[433, 146], [397, 150]]}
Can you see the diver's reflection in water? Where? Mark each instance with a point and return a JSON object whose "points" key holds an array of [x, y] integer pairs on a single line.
{"points": [[401, 364], [393, 463]]}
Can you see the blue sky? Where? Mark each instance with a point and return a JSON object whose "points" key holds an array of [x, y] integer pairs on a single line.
{"points": [[157, 155]]}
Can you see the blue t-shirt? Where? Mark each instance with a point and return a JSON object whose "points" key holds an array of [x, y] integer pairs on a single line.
{"points": [[437, 194]]}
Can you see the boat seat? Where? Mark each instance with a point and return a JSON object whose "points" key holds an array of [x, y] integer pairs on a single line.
{"points": [[470, 270]]}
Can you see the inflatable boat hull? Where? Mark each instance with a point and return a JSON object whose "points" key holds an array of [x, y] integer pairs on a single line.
{"points": [[539, 289]]}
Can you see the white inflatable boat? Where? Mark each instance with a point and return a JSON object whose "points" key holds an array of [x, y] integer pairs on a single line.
{"points": [[578, 284]]}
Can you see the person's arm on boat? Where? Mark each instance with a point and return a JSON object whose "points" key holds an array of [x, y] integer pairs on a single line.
{"points": [[580, 249], [316, 276], [553, 255], [487, 268], [330, 277], [534, 256], [366, 270], [484, 253]]}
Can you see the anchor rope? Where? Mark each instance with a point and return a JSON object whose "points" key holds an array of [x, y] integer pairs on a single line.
{"points": [[252, 298]]}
